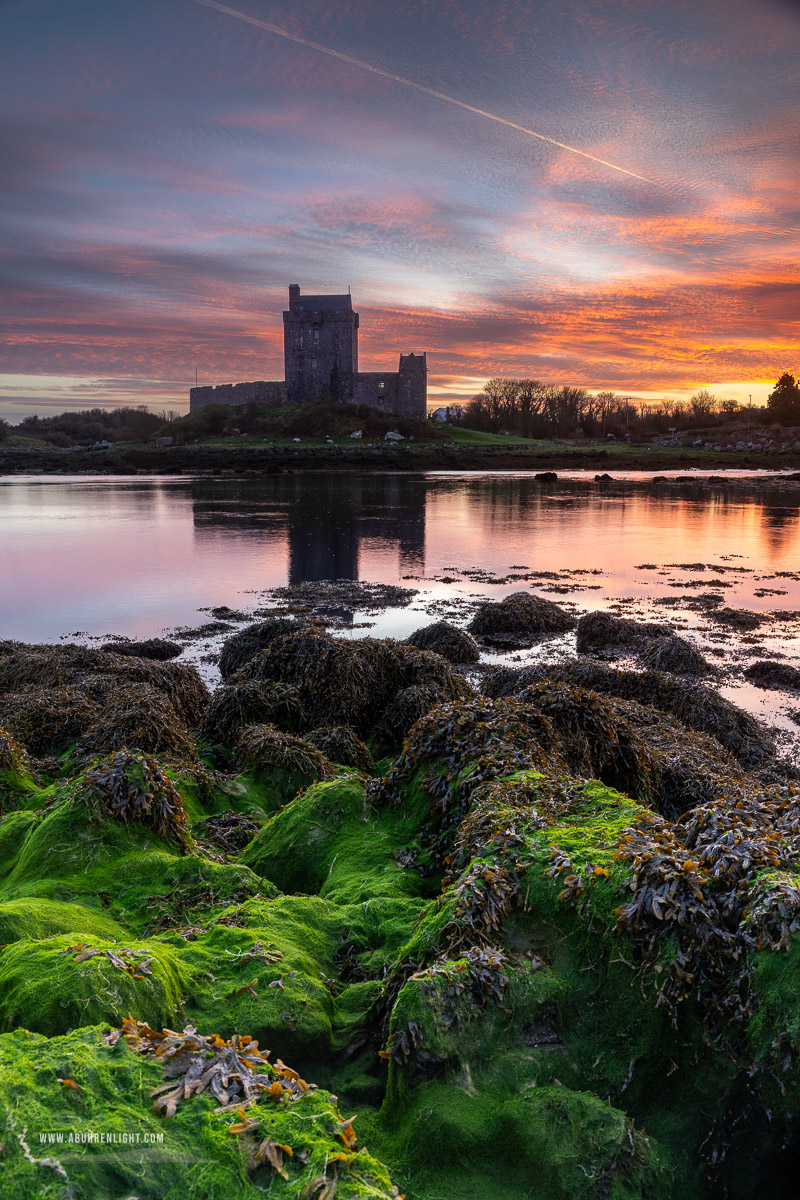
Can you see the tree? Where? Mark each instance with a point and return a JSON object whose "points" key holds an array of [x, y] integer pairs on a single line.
{"points": [[5, 429], [730, 407], [784, 402], [701, 405]]}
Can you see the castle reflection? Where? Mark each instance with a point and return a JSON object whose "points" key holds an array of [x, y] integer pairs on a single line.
{"points": [[325, 524]]}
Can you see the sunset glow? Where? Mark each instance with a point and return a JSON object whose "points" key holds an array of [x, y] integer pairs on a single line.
{"points": [[603, 195]]}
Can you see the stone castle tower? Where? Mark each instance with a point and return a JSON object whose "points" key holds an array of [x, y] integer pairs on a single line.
{"points": [[320, 349]]}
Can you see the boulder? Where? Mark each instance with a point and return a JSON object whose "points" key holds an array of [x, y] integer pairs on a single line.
{"points": [[452, 643], [601, 632], [776, 675], [519, 620]]}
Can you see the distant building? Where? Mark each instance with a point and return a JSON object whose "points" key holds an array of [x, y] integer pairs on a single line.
{"points": [[452, 412], [320, 352]]}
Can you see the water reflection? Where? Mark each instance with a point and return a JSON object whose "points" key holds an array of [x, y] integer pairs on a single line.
{"points": [[135, 555], [324, 521], [780, 527]]}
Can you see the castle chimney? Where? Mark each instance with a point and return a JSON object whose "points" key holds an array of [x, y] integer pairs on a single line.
{"points": [[294, 295]]}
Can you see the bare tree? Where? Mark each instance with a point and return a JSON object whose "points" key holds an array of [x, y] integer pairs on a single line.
{"points": [[702, 404]]}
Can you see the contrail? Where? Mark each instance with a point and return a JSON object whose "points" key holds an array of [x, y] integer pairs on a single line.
{"points": [[419, 87]]}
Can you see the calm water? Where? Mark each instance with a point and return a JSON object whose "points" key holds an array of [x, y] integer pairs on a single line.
{"points": [[139, 555]]}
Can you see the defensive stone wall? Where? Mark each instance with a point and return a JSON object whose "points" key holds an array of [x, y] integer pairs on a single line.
{"points": [[259, 392], [377, 389]]}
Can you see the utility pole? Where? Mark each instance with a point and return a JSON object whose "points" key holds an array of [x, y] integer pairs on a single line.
{"points": [[749, 406]]}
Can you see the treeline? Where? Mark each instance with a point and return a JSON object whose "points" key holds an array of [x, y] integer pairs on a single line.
{"points": [[129, 424], [531, 408]]}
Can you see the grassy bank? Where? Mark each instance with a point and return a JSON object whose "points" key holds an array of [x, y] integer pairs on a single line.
{"points": [[467, 450]]}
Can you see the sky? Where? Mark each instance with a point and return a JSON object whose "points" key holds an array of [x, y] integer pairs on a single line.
{"points": [[603, 193]]}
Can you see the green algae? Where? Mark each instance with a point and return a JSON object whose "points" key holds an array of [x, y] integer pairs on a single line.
{"points": [[465, 1135], [45, 988], [467, 908], [35, 918], [329, 840], [52, 1133]]}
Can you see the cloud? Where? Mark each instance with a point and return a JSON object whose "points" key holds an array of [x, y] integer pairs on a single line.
{"points": [[165, 178]]}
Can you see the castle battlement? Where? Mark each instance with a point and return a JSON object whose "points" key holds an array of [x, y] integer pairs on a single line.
{"points": [[320, 350]]}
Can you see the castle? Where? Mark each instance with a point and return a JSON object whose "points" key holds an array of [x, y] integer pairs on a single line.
{"points": [[320, 353]]}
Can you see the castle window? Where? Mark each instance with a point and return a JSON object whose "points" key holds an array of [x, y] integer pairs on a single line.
{"points": [[313, 362], [316, 335], [380, 385]]}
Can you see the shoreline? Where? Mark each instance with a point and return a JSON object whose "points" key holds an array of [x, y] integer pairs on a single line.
{"points": [[239, 458]]}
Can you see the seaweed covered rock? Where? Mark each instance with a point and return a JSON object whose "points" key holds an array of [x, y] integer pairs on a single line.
{"points": [[49, 720], [98, 673], [559, 888], [240, 647], [341, 744], [520, 620], [600, 632], [138, 716], [229, 831], [555, 727], [686, 768], [452, 643], [131, 788], [35, 918], [373, 686], [741, 619], [17, 779], [143, 880], [282, 763], [329, 840], [159, 649], [288, 1138], [696, 706], [766, 674], [245, 702], [55, 984], [674, 654]]}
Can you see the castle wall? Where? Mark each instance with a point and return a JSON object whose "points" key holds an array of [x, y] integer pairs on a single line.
{"points": [[377, 389], [260, 392]]}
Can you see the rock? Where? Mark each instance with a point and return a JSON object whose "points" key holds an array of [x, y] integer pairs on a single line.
{"points": [[674, 654], [738, 618], [452, 643], [223, 613], [692, 703], [774, 675], [519, 620], [378, 687], [245, 644], [546, 476], [599, 631], [604, 478], [357, 433], [394, 436], [164, 441]]}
